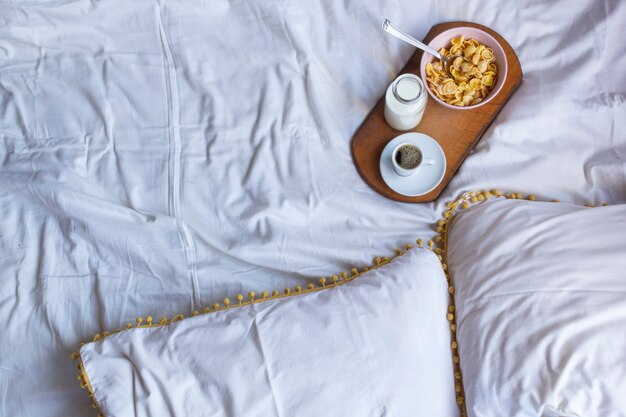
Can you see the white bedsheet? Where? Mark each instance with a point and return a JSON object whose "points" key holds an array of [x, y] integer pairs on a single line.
{"points": [[156, 156]]}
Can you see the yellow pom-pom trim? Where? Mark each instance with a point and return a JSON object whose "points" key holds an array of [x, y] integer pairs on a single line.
{"points": [[438, 245]]}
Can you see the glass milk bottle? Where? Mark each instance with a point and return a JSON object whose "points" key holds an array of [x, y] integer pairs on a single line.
{"points": [[405, 102]]}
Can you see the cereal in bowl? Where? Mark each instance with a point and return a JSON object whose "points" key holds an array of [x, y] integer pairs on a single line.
{"points": [[473, 73]]}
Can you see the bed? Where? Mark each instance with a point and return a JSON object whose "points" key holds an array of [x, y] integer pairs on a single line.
{"points": [[157, 156]]}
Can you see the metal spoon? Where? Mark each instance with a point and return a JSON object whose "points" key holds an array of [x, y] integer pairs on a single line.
{"points": [[392, 29]]}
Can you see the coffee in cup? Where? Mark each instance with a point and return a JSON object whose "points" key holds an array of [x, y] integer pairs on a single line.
{"points": [[407, 158]]}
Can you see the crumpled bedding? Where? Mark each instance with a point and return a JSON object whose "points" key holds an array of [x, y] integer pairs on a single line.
{"points": [[157, 156]]}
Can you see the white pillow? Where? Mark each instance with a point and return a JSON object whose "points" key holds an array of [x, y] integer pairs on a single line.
{"points": [[377, 346], [541, 308]]}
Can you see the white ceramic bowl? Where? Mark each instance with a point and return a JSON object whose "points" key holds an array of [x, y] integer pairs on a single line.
{"points": [[443, 40]]}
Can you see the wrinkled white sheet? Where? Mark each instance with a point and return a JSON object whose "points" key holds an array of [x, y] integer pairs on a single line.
{"points": [[156, 156]]}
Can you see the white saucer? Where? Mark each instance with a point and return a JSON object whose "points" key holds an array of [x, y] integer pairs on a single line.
{"points": [[426, 178]]}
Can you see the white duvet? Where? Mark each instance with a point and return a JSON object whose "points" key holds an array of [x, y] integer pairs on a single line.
{"points": [[156, 156]]}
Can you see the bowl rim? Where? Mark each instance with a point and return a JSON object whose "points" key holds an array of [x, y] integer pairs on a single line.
{"points": [[499, 80]]}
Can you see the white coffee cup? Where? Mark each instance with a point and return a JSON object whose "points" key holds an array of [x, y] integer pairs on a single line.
{"points": [[405, 172]]}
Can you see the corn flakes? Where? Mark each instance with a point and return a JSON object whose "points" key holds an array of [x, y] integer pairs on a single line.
{"points": [[473, 72]]}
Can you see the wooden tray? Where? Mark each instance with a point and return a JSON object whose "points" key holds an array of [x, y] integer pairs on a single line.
{"points": [[457, 131]]}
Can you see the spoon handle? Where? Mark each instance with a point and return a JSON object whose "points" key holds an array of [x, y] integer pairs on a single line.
{"points": [[392, 29]]}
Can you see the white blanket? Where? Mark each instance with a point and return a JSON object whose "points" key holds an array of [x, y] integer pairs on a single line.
{"points": [[156, 156]]}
